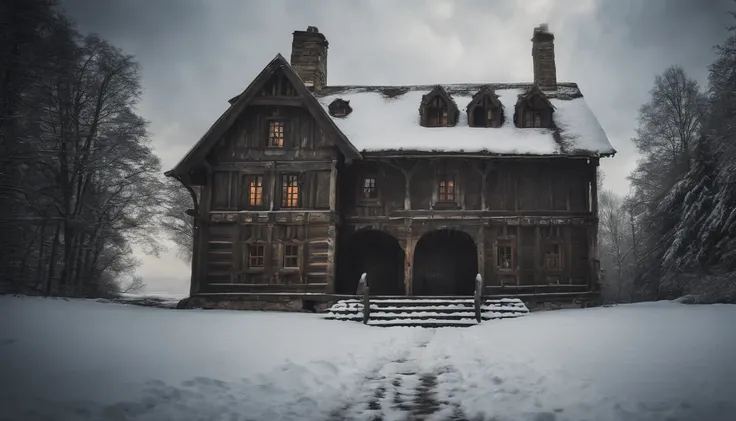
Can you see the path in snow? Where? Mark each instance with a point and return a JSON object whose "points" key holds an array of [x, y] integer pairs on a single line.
{"points": [[402, 389], [78, 360]]}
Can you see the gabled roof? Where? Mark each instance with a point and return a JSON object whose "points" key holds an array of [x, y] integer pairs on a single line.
{"points": [[199, 151], [385, 121], [439, 91], [484, 91], [534, 92]]}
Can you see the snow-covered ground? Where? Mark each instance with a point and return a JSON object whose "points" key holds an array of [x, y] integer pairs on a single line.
{"points": [[85, 360]]}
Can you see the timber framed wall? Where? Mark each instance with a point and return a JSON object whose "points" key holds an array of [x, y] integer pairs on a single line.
{"points": [[541, 213]]}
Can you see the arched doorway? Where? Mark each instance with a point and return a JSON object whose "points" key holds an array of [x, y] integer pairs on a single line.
{"points": [[376, 253], [445, 263]]}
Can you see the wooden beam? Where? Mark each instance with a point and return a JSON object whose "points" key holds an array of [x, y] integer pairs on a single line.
{"points": [[268, 255], [537, 250], [481, 251], [272, 187], [331, 247], [594, 189], [409, 261], [517, 257], [285, 101], [333, 186], [567, 257]]}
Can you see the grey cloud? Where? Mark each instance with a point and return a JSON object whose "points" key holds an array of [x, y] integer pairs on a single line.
{"points": [[196, 54]]}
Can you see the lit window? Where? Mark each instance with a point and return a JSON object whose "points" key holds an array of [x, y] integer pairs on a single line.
{"points": [[291, 256], [255, 256], [504, 251], [447, 189], [275, 134], [255, 190], [369, 189], [290, 191]]}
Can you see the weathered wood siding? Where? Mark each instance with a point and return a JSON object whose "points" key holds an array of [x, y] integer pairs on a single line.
{"points": [[234, 227], [516, 186], [534, 206]]}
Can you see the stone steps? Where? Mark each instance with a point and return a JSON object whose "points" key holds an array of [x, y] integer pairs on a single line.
{"points": [[426, 312]]}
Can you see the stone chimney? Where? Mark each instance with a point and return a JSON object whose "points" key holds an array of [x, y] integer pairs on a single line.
{"points": [[543, 55], [309, 57]]}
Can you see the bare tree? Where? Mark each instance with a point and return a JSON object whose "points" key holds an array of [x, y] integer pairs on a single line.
{"points": [[669, 124], [177, 222], [78, 179], [616, 246]]}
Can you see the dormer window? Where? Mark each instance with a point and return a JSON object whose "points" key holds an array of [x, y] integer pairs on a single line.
{"points": [[485, 109], [532, 118], [437, 113], [437, 109], [534, 110], [339, 108]]}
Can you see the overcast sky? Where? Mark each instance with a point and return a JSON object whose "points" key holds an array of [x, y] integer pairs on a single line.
{"points": [[196, 54]]}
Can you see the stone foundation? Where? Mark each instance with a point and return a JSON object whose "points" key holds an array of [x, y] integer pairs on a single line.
{"points": [[254, 303]]}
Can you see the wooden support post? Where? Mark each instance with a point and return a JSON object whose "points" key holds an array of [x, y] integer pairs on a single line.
{"points": [[594, 188], [272, 187], [537, 259], [517, 258], [197, 255], [478, 298], [330, 270], [199, 263], [481, 250], [493, 279], [364, 289], [567, 256], [408, 261], [408, 175], [268, 254], [333, 186], [483, 194], [593, 276]]}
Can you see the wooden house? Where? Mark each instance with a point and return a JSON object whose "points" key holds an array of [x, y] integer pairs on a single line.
{"points": [[305, 186]]}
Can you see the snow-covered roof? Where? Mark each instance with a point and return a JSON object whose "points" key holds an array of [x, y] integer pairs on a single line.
{"points": [[386, 118]]}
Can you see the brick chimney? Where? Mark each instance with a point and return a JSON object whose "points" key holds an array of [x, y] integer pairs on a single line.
{"points": [[309, 57], [543, 55]]}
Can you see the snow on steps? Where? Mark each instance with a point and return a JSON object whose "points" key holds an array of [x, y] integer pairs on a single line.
{"points": [[426, 312]]}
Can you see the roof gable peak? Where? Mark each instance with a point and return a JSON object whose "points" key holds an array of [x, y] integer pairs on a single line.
{"points": [[534, 93], [238, 104]]}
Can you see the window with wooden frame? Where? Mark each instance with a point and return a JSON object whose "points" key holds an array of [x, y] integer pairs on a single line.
{"points": [[554, 255], [436, 113], [256, 256], [485, 113], [505, 254], [532, 118], [275, 133], [290, 191], [446, 189], [370, 192], [291, 256], [255, 190]]}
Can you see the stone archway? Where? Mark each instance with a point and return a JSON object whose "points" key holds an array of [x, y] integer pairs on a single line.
{"points": [[445, 263], [376, 253]]}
